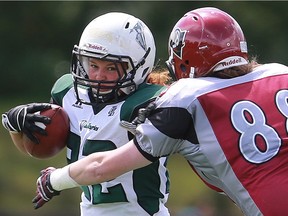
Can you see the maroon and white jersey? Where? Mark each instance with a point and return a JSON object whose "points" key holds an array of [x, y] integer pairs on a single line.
{"points": [[233, 132]]}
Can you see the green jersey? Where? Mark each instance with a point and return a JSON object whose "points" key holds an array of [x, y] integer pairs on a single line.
{"points": [[140, 192]]}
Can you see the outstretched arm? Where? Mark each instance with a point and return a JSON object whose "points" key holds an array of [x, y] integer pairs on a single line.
{"points": [[93, 169], [104, 166]]}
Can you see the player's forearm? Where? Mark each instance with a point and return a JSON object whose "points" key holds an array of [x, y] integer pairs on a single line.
{"points": [[99, 167], [104, 166], [91, 169], [86, 171]]}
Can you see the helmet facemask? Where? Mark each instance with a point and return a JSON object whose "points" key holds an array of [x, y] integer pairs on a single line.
{"points": [[170, 66], [102, 91]]}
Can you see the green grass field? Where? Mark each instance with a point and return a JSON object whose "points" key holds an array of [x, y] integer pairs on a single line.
{"points": [[19, 173]]}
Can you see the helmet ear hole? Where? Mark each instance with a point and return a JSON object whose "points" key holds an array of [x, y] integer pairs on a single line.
{"points": [[183, 68], [145, 71], [195, 18]]}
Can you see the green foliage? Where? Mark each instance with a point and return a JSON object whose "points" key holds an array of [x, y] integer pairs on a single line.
{"points": [[39, 36]]}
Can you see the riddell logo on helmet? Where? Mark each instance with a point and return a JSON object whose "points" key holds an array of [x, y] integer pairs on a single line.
{"points": [[96, 47], [232, 62], [229, 62]]}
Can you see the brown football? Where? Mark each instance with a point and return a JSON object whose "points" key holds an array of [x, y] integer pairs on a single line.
{"points": [[57, 134]]}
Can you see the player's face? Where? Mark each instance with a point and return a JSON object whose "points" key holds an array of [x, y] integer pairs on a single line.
{"points": [[104, 71]]}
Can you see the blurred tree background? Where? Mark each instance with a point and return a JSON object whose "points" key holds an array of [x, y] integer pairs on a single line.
{"points": [[37, 41]]}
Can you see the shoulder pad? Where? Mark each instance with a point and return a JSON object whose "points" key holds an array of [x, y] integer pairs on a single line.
{"points": [[145, 94], [61, 87]]}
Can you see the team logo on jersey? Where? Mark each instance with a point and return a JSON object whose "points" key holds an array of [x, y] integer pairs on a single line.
{"points": [[112, 111], [87, 125], [177, 42], [140, 38], [77, 104]]}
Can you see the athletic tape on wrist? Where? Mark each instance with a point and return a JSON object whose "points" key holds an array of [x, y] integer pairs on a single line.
{"points": [[61, 180]]}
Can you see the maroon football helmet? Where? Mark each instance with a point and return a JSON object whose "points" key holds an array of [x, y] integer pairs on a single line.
{"points": [[203, 41]]}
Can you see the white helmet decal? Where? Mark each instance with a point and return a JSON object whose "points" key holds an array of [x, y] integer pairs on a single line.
{"points": [[177, 42], [140, 38]]}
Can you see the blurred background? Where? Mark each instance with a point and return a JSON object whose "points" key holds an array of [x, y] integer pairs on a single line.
{"points": [[37, 41]]}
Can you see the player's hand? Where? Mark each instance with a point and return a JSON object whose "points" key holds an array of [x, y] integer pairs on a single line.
{"points": [[143, 113], [44, 191], [22, 119]]}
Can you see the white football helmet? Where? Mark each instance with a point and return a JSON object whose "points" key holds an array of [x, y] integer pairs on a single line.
{"points": [[119, 38]]}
